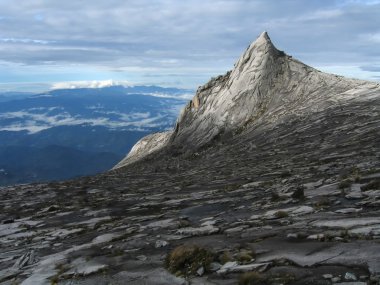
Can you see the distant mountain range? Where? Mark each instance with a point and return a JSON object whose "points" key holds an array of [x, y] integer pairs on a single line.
{"points": [[66, 133]]}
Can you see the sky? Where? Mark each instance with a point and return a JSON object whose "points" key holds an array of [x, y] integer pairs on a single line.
{"points": [[48, 44]]}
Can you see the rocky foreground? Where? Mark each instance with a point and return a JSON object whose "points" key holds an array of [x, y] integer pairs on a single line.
{"points": [[294, 200]]}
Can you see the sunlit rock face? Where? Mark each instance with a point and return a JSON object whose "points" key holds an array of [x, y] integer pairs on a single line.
{"points": [[265, 86]]}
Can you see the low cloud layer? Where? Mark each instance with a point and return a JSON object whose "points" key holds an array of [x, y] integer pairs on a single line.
{"points": [[34, 121], [177, 43]]}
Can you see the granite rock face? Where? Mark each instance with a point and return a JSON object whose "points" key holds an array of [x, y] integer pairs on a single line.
{"points": [[265, 85], [280, 177], [144, 147]]}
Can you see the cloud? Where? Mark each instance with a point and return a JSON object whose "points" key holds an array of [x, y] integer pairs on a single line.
{"points": [[373, 37], [130, 39], [88, 84], [321, 15], [35, 122], [25, 41], [109, 83]]}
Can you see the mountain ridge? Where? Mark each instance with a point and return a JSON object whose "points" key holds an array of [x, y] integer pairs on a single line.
{"points": [[265, 84]]}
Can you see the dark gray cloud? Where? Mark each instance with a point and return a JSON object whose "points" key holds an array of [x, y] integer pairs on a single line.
{"points": [[194, 38]]}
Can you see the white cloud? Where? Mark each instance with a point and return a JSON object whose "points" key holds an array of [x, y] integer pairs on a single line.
{"points": [[362, 2], [25, 41], [321, 15], [375, 37], [88, 84], [34, 123], [198, 39], [185, 96]]}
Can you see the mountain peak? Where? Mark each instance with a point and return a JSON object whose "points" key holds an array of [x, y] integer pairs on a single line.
{"points": [[257, 51], [262, 41], [265, 87], [264, 37]]}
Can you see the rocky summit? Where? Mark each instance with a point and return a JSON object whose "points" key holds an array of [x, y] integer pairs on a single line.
{"points": [[270, 176]]}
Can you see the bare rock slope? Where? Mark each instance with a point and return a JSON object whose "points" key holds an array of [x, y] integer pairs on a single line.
{"points": [[273, 172], [145, 147], [265, 85]]}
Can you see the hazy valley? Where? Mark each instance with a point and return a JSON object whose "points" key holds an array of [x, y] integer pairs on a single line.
{"points": [[69, 133]]}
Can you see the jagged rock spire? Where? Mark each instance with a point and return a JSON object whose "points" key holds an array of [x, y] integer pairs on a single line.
{"points": [[262, 82], [264, 87], [230, 100], [259, 49]]}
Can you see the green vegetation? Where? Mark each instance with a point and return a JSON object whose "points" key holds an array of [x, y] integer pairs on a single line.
{"points": [[285, 174], [232, 187], [61, 268], [275, 197], [245, 256], [187, 259], [372, 185], [281, 214], [322, 202], [282, 278], [345, 184], [299, 193], [225, 257], [252, 278]]}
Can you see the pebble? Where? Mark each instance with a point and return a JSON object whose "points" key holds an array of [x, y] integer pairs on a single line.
{"points": [[336, 279], [350, 276], [141, 257], [327, 276], [348, 210], [316, 237], [161, 243], [292, 235], [215, 266], [200, 271]]}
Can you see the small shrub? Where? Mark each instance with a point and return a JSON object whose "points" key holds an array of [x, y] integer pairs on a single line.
{"points": [[285, 174], [232, 187], [60, 268], [281, 214], [268, 183], [282, 278], [345, 184], [372, 171], [225, 257], [344, 233], [245, 256], [252, 278], [117, 252], [183, 223], [372, 185], [322, 202], [299, 193], [275, 197], [187, 259], [54, 280]]}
